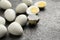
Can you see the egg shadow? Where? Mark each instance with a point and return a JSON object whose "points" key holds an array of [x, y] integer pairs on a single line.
{"points": [[2, 9], [2, 12], [15, 36], [21, 14], [42, 9], [28, 26], [4, 37], [32, 26], [8, 23], [25, 26]]}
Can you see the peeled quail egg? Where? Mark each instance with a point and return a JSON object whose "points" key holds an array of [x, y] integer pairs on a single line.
{"points": [[28, 2], [21, 19], [32, 10], [5, 4], [21, 8], [41, 4], [3, 30], [33, 19], [10, 14], [15, 28], [2, 20]]}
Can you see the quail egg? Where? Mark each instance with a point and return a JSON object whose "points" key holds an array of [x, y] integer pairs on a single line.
{"points": [[10, 14], [15, 29], [21, 19], [21, 8], [32, 10]]}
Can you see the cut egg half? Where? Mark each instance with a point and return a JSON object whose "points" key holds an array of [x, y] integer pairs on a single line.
{"points": [[41, 4], [32, 10]]}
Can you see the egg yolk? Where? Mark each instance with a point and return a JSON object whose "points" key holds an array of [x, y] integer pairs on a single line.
{"points": [[41, 4], [34, 10]]}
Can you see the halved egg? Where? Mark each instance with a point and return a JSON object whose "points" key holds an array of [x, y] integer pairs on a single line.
{"points": [[33, 19], [40, 4], [32, 10]]}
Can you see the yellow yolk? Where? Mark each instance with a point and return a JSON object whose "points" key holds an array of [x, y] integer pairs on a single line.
{"points": [[41, 4], [34, 10]]}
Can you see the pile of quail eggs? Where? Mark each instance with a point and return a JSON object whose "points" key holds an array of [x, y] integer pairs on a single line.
{"points": [[26, 7]]}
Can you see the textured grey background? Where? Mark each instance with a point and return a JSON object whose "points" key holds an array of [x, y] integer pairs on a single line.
{"points": [[48, 27]]}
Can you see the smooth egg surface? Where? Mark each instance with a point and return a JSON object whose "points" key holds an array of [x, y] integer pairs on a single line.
{"points": [[21, 8], [28, 2], [3, 30], [2, 20], [15, 29], [5, 4], [21, 19], [10, 14]]}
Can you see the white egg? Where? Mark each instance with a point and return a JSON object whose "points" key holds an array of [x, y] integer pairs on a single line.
{"points": [[5, 4], [10, 14], [15, 29], [32, 10], [21, 8], [28, 2], [3, 30], [21, 19], [2, 20]]}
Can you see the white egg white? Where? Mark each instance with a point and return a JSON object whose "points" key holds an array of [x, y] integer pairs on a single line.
{"points": [[28, 2], [5, 4], [2, 20], [28, 11], [32, 19], [10, 14], [36, 4], [21, 8], [3, 30], [21, 19], [15, 29]]}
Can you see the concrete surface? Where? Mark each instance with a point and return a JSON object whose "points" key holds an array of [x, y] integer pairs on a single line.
{"points": [[48, 27]]}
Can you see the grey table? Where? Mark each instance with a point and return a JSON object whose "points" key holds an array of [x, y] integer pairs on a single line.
{"points": [[48, 27]]}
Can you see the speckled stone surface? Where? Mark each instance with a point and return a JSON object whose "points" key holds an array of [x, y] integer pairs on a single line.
{"points": [[48, 27]]}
